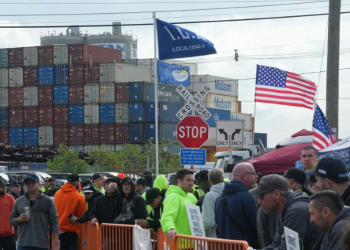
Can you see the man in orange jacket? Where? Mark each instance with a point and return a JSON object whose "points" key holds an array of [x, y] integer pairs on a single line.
{"points": [[69, 202]]}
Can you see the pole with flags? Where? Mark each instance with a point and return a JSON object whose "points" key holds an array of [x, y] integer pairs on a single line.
{"points": [[156, 90]]}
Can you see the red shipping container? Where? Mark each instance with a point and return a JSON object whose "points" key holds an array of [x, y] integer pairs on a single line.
{"points": [[60, 134], [121, 133], [76, 94], [30, 116], [15, 97], [45, 115], [15, 56], [16, 117], [107, 134], [30, 76], [85, 53], [76, 74], [45, 55], [45, 95], [4, 136], [92, 73], [91, 134], [60, 115], [76, 135], [122, 92]]}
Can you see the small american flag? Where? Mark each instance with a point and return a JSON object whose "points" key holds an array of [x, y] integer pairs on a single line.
{"points": [[281, 87], [323, 135]]}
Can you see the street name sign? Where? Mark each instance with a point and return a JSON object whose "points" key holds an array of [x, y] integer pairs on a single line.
{"points": [[229, 134]]}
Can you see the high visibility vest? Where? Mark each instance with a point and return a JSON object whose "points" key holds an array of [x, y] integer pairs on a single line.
{"points": [[200, 192]]}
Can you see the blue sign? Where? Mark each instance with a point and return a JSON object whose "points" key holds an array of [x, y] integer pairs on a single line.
{"points": [[173, 74], [192, 156], [299, 165], [177, 42]]}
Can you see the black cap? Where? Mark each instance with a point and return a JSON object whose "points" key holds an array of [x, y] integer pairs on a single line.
{"points": [[31, 176], [311, 174], [141, 181], [52, 178], [14, 183], [147, 172], [151, 194], [110, 179], [331, 167], [86, 182], [88, 189], [269, 183], [73, 177], [2, 183], [300, 177], [203, 175], [97, 176]]}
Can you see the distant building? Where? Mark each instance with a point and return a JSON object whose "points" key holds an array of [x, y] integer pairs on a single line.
{"points": [[115, 40]]}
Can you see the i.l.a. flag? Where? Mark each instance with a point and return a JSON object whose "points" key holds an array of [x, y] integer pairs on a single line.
{"points": [[174, 74], [177, 42], [323, 135]]}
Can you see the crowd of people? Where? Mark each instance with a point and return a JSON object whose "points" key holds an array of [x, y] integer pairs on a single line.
{"points": [[312, 201]]}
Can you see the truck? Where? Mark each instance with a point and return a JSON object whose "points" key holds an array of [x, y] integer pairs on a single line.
{"points": [[197, 168]]}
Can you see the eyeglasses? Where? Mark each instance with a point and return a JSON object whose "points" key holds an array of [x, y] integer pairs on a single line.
{"points": [[261, 196], [16, 186], [252, 173], [47, 181], [30, 183]]}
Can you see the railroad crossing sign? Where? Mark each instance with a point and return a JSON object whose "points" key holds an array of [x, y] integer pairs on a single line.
{"points": [[192, 132], [229, 134], [193, 102]]}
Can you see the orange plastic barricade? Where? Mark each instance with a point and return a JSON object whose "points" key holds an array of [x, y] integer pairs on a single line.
{"points": [[163, 241], [90, 236]]}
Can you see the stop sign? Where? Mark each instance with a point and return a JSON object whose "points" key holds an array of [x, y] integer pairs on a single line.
{"points": [[192, 132]]}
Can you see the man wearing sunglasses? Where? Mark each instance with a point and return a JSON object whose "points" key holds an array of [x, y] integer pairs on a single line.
{"points": [[293, 208], [15, 188], [36, 215], [46, 186]]}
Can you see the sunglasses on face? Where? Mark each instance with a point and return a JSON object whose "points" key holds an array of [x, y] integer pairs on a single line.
{"points": [[47, 181], [30, 183], [261, 196]]}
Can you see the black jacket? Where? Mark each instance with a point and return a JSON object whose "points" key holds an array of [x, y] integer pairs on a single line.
{"points": [[15, 196], [346, 197], [51, 192], [155, 215], [86, 216], [107, 208]]}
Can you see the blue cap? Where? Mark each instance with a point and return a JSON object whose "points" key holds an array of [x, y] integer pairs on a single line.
{"points": [[31, 176], [331, 167]]}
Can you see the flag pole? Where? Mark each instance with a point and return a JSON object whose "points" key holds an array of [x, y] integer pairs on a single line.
{"points": [[256, 78], [156, 89]]}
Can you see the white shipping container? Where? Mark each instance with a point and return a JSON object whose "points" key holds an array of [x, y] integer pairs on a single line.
{"points": [[247, 137], [4, 77], [246, 118], [108, 147], [45, 136], [16, 77], [91, 114], [91, 93], [107, 93], [60, 54], [4, 98], [220, 102], [218, 85], [130, 73], [79, 148], [122, 112], [30, 96], [90, 148], [107, 72], [30, 56]]}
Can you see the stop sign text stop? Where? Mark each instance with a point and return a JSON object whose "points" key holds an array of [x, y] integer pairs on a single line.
{"points": [[192, 132]]}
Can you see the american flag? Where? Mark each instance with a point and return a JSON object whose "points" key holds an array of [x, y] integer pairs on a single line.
{"points": [[323, 135], [281, 87]]}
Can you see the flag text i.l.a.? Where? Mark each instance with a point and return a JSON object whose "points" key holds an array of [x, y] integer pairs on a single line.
{"points": [[177, 42]]}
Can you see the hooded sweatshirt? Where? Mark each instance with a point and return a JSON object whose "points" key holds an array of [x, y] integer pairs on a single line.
{"points": [[331, 240], [138, 204], [161, 183], [242, 207], [174, 214], [69, 201], [296, 216], [208, 209], [86, 216], [6, 204]]}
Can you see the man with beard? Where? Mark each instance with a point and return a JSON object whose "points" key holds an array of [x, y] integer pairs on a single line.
{"points": [[235, 209], [308, 157], [7, 233], [15, 188], [53, 189], [69, 202], [328, 212]]}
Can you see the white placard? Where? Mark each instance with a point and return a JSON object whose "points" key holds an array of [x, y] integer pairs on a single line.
{"points": [[292, 239], [195, 219]]}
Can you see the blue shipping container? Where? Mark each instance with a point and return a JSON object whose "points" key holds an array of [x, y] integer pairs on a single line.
{"points": [[45, 75], [150, 132], [136, 112], [76, 114], [4, 58], [262, 137], [217, 115], [60, 95], [167, 132], [107, 113], [4, 117], [60, 75], [136, 133], [30, 136], [167, 112], [136, 91], [16, 136]]}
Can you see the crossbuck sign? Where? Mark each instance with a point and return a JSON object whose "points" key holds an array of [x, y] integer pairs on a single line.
{"points": [[193, 102]]}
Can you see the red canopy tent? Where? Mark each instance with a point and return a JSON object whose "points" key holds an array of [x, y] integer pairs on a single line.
{"points": [[284, 156]]}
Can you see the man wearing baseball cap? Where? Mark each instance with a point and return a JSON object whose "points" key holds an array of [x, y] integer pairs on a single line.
{"points": [[98, 180], [298, 180], [53, 189], [293, 207], [15, 188], [140, 186], [332, 174]]}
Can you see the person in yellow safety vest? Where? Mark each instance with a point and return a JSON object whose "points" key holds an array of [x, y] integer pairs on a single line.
{"points": [[201, 179], [161, 183], [46, 185], [226, 180], [98, 179]]}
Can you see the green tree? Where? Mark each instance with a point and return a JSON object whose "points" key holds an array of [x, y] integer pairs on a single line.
{"points": [[106, 161], [67, 162]]}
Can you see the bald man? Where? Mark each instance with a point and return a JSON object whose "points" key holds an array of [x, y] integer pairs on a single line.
{"points": [[235, 209]]}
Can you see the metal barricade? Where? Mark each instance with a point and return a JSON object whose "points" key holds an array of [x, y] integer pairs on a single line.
{"points": [[89, 237]]}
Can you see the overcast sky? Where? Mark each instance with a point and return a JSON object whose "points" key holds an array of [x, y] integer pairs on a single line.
{"points": [[292, 44]]}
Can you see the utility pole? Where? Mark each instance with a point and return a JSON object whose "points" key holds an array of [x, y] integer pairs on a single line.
{"points": [[332, 90]]}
